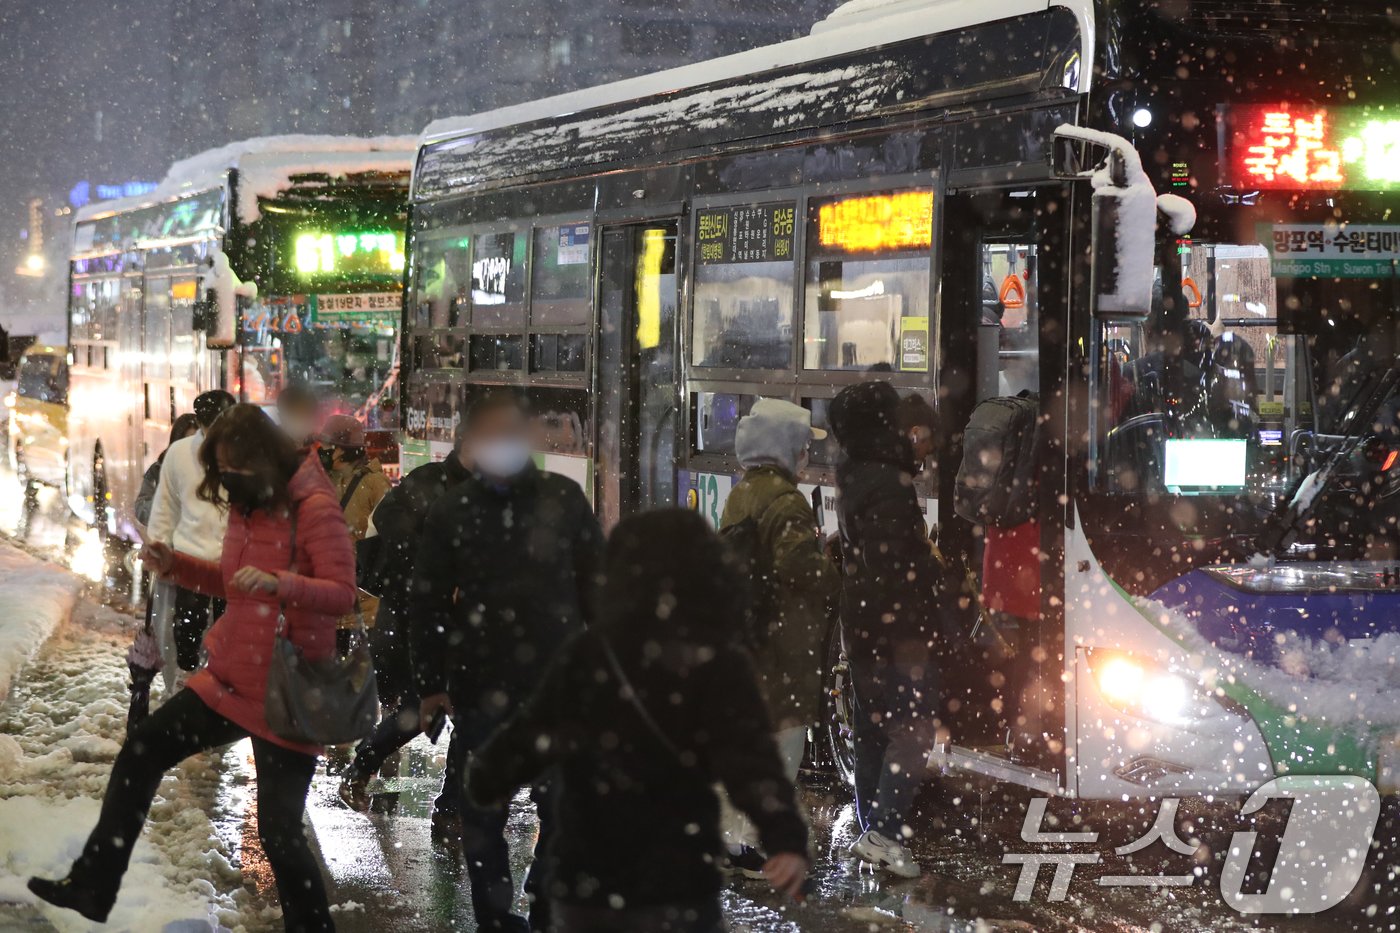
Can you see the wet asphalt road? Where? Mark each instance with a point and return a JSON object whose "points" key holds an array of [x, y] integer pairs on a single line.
{"points": [[386, 873]]}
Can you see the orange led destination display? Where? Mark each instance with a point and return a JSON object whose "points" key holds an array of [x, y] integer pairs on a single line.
{"points": [[1299, 146], [877, 222]]}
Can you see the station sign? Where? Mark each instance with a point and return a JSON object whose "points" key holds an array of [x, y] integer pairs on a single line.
{"points": [[1332, 250], [746, 233]]}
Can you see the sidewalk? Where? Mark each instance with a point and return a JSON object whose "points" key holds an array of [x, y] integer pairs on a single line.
{"points": [[62, 717]]}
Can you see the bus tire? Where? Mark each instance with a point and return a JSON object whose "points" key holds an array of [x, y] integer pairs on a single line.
{"points": [[839, 740]]}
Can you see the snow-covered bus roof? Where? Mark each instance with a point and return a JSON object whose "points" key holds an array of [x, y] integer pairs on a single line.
{"points": [[853, 27], [265, 166]]}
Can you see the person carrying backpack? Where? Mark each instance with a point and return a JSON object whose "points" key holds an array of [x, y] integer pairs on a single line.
{"points": [[768, 525], [996, 488]]}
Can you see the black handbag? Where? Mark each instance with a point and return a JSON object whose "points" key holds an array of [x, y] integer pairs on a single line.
{"points": [[333, 701]]}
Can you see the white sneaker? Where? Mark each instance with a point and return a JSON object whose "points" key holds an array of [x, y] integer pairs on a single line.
{"points": [[885, 853]]}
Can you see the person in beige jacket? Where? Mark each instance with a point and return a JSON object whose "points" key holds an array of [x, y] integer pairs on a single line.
{"points": [[359, 483]]}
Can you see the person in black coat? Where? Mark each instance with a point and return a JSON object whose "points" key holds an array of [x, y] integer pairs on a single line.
{"points": [[505, 575], [398, 523], [889, 617], [640, 717]]}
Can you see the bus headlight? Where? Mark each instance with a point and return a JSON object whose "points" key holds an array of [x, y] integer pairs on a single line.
{"points": [[1144, 690]]}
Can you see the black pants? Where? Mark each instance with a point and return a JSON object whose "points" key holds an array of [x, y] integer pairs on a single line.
{"points": [[179, 729], [485, 849], [893, 726], [395, 731], [702, 917], [193, 614]]}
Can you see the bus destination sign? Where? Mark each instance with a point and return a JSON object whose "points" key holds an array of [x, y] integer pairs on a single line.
{"points": [[1296, 147], [758, 233]]}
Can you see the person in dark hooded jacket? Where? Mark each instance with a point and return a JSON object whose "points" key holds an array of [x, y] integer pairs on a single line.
{"points": [[505, 574], [640, 716], [889, 614], [398, 523]]}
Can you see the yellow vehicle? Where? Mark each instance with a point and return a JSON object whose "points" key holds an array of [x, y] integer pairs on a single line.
{"points": [[39, 416]]}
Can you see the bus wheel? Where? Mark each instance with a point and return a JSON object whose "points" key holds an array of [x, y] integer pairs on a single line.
{"points": [[111, 558], [837, 714], [99, 496]]}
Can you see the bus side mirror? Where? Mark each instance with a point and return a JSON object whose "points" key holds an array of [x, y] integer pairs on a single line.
{"points": [[222, 289], [206, 311], [1124, 217]]}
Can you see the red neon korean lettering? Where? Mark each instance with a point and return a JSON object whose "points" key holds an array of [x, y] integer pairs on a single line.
{"points": [[1281, 149]]}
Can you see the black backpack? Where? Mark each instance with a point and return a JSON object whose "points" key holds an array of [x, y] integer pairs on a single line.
{"points": [[743, 544], [996, 484]]}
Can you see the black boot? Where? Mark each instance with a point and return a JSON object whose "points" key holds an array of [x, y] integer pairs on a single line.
{"points": [[73, 896]]}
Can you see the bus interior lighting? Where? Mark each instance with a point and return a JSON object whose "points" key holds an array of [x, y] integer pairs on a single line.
{"points": [[874, 290]]}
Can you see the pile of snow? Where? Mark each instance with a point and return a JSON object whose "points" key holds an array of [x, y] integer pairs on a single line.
{"points": [[1351, 685], [34, 598], [266, 165], [60, 731]]}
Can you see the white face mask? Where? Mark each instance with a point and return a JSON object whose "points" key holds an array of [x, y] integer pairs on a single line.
{"points": [[503, 458]]}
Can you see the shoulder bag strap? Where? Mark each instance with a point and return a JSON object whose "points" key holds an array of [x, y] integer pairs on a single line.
{"points": [[360, 474], [630, 695], [291, 568]]}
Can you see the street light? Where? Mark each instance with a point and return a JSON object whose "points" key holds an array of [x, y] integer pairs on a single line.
{"points": [[34, 265]]}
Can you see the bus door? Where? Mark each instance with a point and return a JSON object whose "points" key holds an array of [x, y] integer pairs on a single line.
{"points": [[637, 394], [157, 389], [995, 299], [117, 472]]}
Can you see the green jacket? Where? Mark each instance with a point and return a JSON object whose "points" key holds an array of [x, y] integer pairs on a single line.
{"points": [[790, 664]]}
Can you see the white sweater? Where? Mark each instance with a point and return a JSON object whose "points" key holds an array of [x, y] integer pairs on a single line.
{"points": [[179, 517]]}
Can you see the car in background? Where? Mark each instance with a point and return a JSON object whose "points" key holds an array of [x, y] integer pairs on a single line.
{"points": [[9, 366], [38, 408]]}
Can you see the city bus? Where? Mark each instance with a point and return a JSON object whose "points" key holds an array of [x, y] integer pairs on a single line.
{"points": [[950, 197], [250, 267]]}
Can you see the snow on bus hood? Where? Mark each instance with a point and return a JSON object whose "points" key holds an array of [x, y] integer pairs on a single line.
{"points": [[266, 165], [1321, 640]]}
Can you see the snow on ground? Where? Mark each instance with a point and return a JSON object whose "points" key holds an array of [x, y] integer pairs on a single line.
{"points": [[60, 730], [34, 598]]}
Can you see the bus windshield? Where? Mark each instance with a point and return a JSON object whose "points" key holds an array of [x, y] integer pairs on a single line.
{"points": [[328, 315], [1263, 382]]}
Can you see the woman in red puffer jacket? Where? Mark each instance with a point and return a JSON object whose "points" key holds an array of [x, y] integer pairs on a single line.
{"points": [[287, 549]]}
